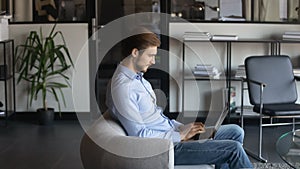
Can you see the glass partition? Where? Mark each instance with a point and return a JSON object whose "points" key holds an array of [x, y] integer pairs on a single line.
{"points": [[280, 11], [47, 10], [284, 11]]}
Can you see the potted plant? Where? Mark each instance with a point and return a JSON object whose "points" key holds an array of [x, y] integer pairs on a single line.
{"points": [[43, 63]]}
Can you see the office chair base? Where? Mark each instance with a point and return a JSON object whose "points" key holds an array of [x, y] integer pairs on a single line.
{"points": [[256, 156]]}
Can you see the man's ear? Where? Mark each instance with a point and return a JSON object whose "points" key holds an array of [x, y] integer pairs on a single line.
{"points": [[135, 52]]}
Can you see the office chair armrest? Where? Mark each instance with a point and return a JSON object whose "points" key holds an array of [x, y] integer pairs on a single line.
{"points": [[256, 82], [297, 78], [262, 85]]}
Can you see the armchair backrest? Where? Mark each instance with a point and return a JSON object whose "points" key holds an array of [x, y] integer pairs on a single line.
{"points": [[276, 72]]}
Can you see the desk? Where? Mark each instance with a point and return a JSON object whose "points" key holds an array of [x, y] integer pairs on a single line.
{"points": [[288, 148]]}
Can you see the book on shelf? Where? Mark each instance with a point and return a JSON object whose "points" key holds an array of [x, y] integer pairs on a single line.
{"points": [[196, 36], [240, 72], [288, 36], [292, 33], [204, 67], [232, 18], [224, 37], [203, 73], [291, 36], [206, 71]]}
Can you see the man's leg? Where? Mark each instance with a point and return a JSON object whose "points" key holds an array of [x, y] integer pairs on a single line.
{"points": [[216, 152], [230, 132], [225, 148]]}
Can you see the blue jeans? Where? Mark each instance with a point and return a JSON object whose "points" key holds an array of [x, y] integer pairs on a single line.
{"points": [[224, 151]]}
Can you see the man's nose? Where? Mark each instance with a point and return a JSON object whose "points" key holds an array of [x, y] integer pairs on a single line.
{"points": [[153, 60]]}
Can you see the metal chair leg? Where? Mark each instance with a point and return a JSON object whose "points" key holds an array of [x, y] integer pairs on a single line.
{"points": [[259, 155], [294, 123], [260, 141]]}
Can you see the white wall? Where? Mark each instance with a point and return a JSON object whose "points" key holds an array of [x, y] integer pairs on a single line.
{"points": [[215, 53], [76, 37]]}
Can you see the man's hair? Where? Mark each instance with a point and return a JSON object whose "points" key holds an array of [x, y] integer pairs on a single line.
{"points": [[141, 40]]}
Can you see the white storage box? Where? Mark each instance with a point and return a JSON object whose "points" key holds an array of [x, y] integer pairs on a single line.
{"points": [[4, 31]]}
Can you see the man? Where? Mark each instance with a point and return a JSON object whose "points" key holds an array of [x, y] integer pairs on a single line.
{"points": [[131, 100]]}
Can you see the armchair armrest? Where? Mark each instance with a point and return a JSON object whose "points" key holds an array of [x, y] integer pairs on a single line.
{"points": [[262, 85], [126, 152], [136, 147]]}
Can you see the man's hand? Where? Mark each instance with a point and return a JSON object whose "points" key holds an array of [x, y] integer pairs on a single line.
{"points": [[190, 130]]}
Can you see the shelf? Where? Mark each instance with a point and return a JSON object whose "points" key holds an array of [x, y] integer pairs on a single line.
{"points": [[221, 78], [228, 76], [247, 112], [7, 77], [240, 41]]}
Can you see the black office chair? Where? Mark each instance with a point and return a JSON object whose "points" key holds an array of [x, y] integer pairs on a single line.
{"points": [[272, 91]]}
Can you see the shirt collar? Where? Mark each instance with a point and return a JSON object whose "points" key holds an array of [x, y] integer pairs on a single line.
{"points": [[129, 73]]}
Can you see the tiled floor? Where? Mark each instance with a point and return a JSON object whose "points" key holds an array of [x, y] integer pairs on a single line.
{"points": [[26, 145]]}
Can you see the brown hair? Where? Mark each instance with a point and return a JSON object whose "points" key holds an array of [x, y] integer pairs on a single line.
{"points": [[141, 40]]}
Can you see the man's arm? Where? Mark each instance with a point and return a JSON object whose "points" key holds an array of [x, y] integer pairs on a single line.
{"points": [[134, 128], [129, 114]]}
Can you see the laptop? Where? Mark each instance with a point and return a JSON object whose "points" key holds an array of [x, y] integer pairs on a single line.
{"points": [[213, 122]]}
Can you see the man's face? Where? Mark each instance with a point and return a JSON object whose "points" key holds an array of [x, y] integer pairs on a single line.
{"points": [[145, 59]]}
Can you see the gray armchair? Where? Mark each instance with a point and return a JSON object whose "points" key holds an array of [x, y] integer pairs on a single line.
{"points": [[106, 146]]}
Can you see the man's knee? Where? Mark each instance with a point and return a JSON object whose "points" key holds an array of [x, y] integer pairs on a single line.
{"points": [[238, 133]]}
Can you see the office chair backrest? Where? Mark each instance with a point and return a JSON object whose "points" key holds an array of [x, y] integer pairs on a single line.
{"points": [[277, 73]]}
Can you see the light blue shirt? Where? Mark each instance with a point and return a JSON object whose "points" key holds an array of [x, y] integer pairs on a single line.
{"points": [[131, 99]]}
